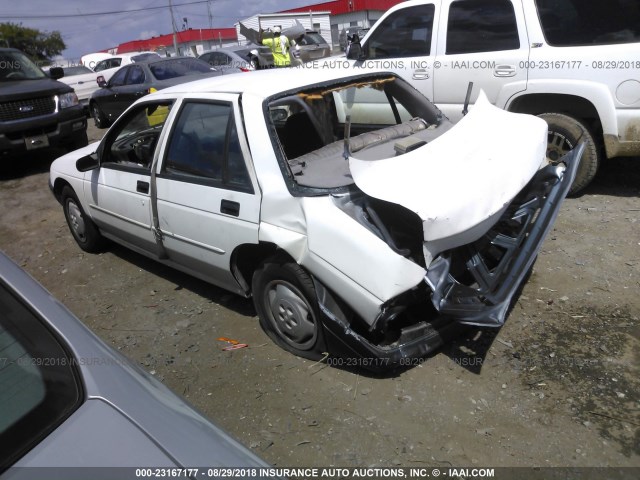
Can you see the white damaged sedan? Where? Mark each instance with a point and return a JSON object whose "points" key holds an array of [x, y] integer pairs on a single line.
{"points": [[360, 219]]}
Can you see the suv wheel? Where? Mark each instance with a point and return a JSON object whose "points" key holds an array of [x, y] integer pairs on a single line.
{"points": [[564, 134], [285, 300]]}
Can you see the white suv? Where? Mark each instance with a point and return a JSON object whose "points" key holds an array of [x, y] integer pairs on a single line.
{"points": [[576, 64]]}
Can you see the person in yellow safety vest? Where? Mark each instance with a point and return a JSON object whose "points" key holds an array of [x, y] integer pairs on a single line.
{"points": [[279, 45]]}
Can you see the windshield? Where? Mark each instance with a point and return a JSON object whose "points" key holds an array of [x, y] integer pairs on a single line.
{"points": [[16, 65], [311, 39], [178, 68], [246, 54]]}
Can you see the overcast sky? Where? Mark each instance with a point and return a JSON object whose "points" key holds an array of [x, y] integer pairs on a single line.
{"points": [[86, 34]]}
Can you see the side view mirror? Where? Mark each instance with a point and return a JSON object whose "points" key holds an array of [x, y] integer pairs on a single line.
{"points": [[56, 72], [354, 50], [279, 114], [101, 81], [88, 162]]}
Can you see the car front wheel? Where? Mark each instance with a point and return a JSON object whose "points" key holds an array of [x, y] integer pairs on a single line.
{"points": [[285, 300], [564, 134], [99, 118], [84, 231]]}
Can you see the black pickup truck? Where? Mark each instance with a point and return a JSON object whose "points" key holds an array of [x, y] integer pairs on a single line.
{"points": [[36, 111]]}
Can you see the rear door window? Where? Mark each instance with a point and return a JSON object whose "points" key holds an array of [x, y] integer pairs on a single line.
{"points": [[481, 26], [204, 148]]}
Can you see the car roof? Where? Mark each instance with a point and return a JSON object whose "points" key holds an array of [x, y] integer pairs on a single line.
{"points": [[132, 54], [266, 83], [148, 61], [234, 48]]}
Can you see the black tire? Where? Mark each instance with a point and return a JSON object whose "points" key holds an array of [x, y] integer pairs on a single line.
{"points": [[285, 300], [84, 231], [80, 141], [99, 118], [564, 134]]}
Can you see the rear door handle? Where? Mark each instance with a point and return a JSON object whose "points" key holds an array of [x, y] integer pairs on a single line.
{"points": [[230, 208], [142, 187], [504, 71]]}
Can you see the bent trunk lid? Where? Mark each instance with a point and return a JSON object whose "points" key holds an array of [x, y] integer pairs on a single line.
{"points": [[464, 177]]}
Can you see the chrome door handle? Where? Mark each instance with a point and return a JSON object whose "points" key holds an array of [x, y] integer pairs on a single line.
{"points": [[420, 74], [504, 71]]}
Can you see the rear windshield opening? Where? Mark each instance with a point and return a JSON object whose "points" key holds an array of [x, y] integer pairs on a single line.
{"points": [[373, 113]]}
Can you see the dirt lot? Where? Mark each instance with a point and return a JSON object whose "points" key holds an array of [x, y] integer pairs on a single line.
{"points": [[558, 385]]}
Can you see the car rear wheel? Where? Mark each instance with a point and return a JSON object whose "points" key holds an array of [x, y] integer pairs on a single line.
{"points": [[99, 118], [84, 231], [285, 300], [564, 134]]}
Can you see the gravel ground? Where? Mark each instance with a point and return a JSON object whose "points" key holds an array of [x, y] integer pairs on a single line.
{"points": [[558, 385]]}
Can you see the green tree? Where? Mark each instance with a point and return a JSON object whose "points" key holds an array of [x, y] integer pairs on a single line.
{"points": [[40, 46]]}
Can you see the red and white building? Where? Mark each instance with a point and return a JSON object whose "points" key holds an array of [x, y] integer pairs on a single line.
{"points": [[327, 18], [191, 42]]}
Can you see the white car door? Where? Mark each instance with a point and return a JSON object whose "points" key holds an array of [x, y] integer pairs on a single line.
{"points": [[208, 200], [118, 194], [403, 43], [484, 42]]}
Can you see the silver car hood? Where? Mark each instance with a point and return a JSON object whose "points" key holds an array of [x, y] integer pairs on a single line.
{"points": [[463, 178]]}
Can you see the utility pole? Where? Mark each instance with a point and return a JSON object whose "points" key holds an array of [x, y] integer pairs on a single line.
{"points": [[173, 24], [209, 14]]}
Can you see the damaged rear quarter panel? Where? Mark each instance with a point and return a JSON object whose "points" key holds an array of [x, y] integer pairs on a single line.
{"points": [[345, 256], [357, 252]]}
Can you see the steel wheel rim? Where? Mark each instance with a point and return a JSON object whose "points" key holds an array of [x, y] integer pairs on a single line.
{"points": [[76, 221], [290, 314]]}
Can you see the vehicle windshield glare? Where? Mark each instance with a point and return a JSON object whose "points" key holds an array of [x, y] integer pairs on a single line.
{"points": [[178, 68], [17, 66]]}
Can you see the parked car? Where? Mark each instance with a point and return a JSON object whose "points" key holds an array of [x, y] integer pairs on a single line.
{"points": [[109, 66], [575, 64], [36, 111], [83, 82], [359, 218], [90, 60], [69, 400], [137, 80], [309, 46], [246, 58], [346, 35]]}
